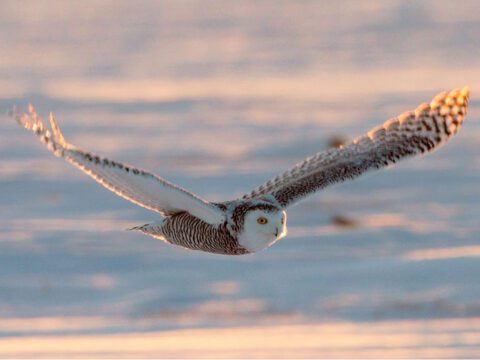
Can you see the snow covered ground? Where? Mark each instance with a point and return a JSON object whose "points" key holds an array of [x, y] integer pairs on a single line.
{"points": [[219, 96]]}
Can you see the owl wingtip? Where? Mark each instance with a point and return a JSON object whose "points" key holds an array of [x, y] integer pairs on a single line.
{"points": [[459, 96], [463, 92]]}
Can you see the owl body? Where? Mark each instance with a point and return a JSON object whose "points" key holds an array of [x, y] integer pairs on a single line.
{"points": [[192, 233], [237, 235]]}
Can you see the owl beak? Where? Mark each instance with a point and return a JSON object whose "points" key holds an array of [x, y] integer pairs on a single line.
{"points": [[277, 232]]}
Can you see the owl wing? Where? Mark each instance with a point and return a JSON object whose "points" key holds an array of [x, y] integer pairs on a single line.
{"points": [[138, 186], [411, 133]]}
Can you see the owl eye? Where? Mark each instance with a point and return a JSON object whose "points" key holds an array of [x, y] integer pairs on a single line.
{"points": [[262, 221]]}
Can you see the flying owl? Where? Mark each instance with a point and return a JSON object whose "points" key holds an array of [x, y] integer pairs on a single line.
{"points": [[258, 219]]}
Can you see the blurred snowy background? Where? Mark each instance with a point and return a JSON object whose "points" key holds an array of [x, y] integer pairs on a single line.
{"points": [[219, 96]]}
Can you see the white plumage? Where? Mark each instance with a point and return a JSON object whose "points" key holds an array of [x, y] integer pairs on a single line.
{"points": [[258, 219]]}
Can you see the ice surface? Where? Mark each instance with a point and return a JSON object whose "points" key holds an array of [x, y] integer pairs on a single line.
{"points": [[218, 98]]}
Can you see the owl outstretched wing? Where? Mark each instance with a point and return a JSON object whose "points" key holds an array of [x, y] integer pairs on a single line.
{"points": [[138, 186], [411, 133]]}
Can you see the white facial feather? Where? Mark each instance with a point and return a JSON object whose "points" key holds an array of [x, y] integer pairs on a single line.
{"points": [[256, 236]]}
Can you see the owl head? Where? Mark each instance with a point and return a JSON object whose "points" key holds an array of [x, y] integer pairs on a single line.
{"points": [[258, 224]]}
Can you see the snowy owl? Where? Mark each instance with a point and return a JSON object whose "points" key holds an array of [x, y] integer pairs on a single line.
{"points": [[258, 219]]}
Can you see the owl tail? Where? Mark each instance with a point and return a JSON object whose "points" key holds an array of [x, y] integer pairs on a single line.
{"points": [[154, 229]]}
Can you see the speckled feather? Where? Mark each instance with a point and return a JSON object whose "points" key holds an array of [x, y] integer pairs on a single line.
{"points": [[136, 185], [192, 233], [411, 133]]}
